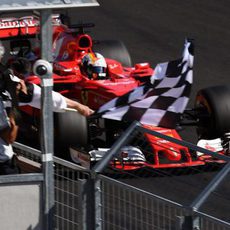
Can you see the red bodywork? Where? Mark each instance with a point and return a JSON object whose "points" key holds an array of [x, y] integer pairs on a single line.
{"points": [[166, 154], [68, 49]]}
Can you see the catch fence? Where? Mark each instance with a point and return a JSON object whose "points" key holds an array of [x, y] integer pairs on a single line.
{"points": [[99, 198]]}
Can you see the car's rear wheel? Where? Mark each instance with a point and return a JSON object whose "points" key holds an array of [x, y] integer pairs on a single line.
{"points": [[114, 49], [71, 129], [213, 106]]}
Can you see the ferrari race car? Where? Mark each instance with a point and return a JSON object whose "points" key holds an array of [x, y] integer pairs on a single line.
{"points": [[89, 139]]}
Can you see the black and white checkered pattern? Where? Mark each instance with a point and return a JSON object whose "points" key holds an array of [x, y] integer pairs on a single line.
{"points": [[161, 102]]}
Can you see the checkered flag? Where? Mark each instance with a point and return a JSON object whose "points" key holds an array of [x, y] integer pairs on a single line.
{"points": [[159, 102]]}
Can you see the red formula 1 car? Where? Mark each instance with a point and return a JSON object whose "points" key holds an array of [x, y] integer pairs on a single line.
{"points": [[90, 139]]}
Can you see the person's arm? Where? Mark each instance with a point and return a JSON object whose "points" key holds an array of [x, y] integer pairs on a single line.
{"points": [[9, 135], [82, 109], [60, 103], [13, 129]]}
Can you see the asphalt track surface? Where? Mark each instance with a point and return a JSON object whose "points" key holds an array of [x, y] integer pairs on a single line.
{"points": [[154, 31]]}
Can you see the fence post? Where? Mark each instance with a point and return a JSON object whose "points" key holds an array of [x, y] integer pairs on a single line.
{"points": [[90, 203], [188, 221], [87, 201], [47, 118], [98, 203], [216, 181]]}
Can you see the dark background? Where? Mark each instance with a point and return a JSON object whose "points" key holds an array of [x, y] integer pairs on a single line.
{"points": [[154, 31]]}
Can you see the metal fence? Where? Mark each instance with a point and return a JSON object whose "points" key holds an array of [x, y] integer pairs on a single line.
{"points": [[69, 182], [98, 199], [126, 207]]}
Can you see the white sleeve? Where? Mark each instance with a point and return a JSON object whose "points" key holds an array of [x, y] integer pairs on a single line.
{"points": [[59, 102]]}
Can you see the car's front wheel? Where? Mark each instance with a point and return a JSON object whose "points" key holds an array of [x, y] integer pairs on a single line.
{"points": [[213, 106], [71, 129]]}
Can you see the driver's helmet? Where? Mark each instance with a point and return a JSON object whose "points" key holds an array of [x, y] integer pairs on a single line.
{"points": [[94, 66]]}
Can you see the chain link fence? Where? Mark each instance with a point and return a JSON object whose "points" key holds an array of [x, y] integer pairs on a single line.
{"points": [[108, 197]]}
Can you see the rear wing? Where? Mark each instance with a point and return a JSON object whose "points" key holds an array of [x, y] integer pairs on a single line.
{"points": [[23, 26]]}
